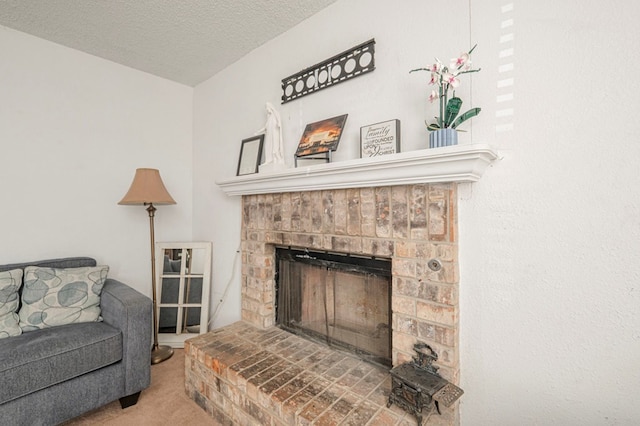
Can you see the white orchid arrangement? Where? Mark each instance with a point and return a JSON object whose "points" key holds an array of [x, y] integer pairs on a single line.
{"points": [[446, 79]]}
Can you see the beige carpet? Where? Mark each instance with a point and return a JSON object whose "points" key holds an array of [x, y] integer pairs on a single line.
{"points": [[163, 403]]}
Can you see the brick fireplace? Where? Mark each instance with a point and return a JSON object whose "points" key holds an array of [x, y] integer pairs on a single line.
{"points": [[410, 224], [413, 223]]}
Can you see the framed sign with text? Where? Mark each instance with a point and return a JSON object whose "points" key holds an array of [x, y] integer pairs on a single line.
{"points": [[380, 139]]}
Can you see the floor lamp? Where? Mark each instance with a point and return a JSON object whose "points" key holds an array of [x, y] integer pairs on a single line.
{"points": [[147, 189]]}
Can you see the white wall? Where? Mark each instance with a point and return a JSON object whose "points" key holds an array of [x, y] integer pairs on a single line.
{"points": [[549, 236], [73, 129]]}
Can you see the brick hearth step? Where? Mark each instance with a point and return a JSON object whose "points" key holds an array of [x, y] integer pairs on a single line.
{"points": [[241, 374]]}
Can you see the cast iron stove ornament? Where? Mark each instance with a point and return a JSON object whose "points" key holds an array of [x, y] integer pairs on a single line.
{"points": [[417, 384]]}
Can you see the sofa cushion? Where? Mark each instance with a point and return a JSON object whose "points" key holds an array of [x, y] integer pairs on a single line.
{"points": [[42, 358], [10, 282], [53, 297]]}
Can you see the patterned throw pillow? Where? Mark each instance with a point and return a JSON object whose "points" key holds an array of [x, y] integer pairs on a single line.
{"points": [[10, 282], [52, 297]]}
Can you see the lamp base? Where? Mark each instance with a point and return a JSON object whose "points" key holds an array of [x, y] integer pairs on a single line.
{"points": [[161, 353]]}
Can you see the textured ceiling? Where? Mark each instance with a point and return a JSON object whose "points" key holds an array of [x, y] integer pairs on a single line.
{"points": [[186, 41]]}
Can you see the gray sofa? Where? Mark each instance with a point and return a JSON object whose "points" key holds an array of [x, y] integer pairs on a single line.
{"points": [[54, 374]]}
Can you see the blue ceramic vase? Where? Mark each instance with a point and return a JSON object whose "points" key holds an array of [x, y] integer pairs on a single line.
{"points": [[443, 137]]}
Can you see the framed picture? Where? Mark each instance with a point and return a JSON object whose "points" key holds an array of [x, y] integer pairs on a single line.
{"points": [[321, 136], [250, 155], [380, 139]]}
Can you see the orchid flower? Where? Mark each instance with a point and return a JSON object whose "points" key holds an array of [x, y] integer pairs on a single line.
{"points": [[446, 78], [450, 80], [460, 61]]}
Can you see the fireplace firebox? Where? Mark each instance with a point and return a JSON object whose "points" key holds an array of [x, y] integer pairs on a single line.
{"points": [[339, 299]]}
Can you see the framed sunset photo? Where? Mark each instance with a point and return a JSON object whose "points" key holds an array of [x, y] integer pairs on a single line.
{"points": [[322, 136]]}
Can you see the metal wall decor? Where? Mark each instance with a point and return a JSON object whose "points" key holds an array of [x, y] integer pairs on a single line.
{"points": [[342, 67]]}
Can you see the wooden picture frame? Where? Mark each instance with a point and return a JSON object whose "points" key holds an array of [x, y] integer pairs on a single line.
{"points": [[250, 155], [322, 136], [380, 139]]}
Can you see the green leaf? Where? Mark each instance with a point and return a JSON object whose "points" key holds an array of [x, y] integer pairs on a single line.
{"points": [[452, 110], [464, 117], [432, 126]]}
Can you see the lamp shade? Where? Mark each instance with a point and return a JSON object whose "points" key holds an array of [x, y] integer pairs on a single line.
{"points": [[147, 188]]}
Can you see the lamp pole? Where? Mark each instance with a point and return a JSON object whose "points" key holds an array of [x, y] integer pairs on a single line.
{"points": [[158, 353]]}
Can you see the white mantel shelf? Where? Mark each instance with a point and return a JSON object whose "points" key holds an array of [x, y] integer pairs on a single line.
{"points": [[459, 163]]}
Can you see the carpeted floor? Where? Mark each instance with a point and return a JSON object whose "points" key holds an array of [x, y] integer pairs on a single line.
{"points": [[163, 403]]}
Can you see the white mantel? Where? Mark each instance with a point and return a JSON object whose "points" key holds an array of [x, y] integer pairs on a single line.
{"points": [[458, 163]]}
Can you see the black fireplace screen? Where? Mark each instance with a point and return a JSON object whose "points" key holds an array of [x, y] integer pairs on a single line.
{"points": [[342, 300]]}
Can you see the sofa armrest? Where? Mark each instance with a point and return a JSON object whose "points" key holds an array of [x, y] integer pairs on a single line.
{"points": [[130, 311]]}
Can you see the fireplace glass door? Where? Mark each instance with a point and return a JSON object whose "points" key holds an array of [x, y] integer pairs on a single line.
{"points": [[339, 299]]}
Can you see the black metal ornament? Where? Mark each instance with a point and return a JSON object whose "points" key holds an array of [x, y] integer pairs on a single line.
{"points": [[416, 385], [351, 63]]}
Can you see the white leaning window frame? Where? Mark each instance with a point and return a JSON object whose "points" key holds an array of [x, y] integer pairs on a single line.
{"points": [[176, 340]]}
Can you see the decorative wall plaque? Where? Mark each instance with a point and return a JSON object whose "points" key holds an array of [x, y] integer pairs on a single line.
{"points": [[380, 139], [342, 67]]}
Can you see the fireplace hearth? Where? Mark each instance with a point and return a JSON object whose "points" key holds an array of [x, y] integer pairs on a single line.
{"points": [[414, 226]]}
